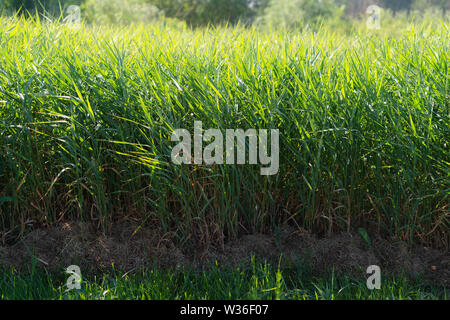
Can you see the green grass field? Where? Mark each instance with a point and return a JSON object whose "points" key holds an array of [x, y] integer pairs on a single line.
{"points": [[260, 281], [86, 115]]}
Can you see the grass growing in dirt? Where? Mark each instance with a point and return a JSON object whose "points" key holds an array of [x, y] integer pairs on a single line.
{"points": [[256, 281], [86, 115]]}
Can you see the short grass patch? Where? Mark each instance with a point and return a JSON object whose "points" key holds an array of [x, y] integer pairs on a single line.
{"points": [[255, 281]]}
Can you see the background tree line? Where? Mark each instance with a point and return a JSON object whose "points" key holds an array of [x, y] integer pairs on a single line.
{"points": [[204, 12]]}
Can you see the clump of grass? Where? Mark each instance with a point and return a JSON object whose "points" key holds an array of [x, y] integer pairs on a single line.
{"points": [[87, 113]]}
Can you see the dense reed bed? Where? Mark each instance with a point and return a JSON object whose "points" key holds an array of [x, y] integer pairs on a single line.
{"points": [[86, 115]]}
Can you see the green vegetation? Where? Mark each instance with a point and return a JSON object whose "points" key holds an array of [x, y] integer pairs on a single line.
{"points": [[119, 11], [198, 13], [256, 281], [87, 113]]}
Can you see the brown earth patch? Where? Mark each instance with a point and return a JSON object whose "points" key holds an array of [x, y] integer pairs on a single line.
{"points": [[129, 247]]}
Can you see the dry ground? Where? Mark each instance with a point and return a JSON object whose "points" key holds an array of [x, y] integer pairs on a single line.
{"points": [[129, 247]]}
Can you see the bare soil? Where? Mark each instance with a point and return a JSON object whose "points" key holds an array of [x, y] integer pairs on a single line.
{"points": [[129, 247]]}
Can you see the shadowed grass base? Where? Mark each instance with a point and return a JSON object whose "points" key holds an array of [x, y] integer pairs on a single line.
{"points": [[255, 281]]}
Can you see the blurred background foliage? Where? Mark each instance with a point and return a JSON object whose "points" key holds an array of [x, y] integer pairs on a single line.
{"points": [[274, 13], [120, 11]]}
